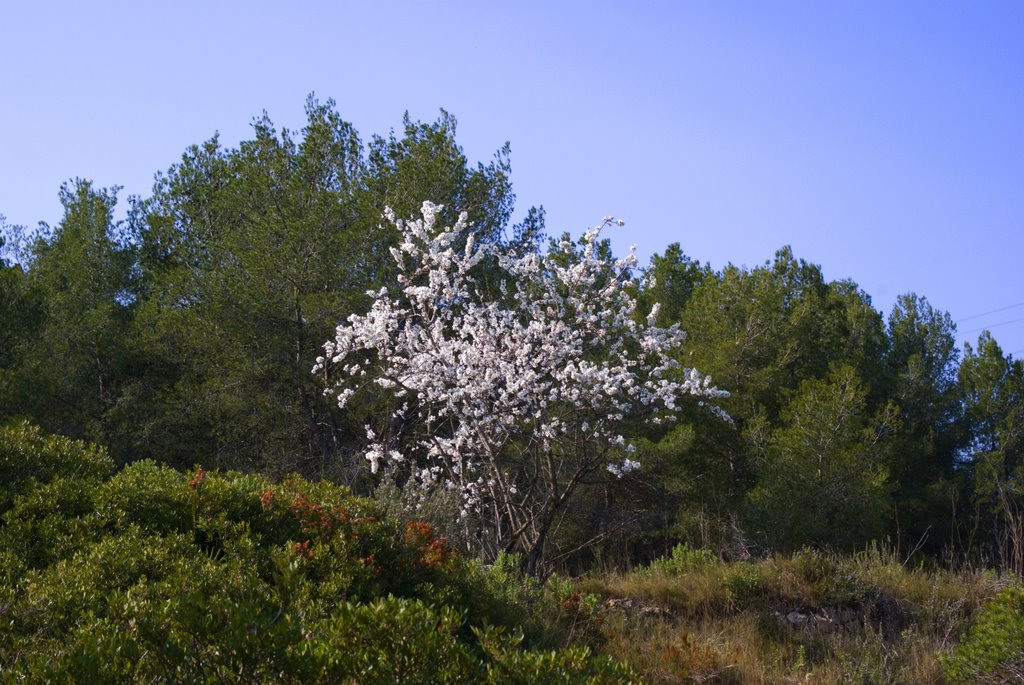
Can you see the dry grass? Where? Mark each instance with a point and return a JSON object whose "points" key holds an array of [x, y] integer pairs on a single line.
{"points": [[700, 592], [726, 621]]}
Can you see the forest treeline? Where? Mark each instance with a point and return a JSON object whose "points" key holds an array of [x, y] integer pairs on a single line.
{"points": [[187, 332]]}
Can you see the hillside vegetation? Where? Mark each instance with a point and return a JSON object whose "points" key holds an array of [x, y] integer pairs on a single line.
{"points": [[318, 409], [146, 574], [150, 575]]}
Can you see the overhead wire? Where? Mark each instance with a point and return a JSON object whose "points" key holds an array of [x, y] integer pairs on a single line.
{"points": [[994, 311], [985, 328]]}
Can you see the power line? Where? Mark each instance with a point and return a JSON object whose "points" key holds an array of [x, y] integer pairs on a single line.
{"points": [[986, 328], [994, 311]]}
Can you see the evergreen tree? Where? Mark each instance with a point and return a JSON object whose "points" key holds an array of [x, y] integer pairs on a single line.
{"points": [[822, 477], [252, 256], [82, 272], [993, 387]]}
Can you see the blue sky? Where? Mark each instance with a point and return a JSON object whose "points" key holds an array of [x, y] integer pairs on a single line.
{"points": [[883, 141]]}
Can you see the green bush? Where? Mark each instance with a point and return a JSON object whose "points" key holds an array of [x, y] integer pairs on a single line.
{"points": [[51, 521], [190, 619], [995, 645], [28, 457], [149, 495], [388, 640], [509, 663], [53, 600], [745, 585], [152, 575], [512, 597], [682, 560]]}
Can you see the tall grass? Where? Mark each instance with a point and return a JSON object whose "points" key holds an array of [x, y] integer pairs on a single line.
{"points": [[811, 617]]}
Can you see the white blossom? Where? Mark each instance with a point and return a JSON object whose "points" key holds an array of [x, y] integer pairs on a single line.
{"points": [[505, 385], [620, 470]]}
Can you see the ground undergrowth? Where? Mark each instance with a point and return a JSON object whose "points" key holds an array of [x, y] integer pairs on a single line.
{"points": [[146, 574], [811, 617]]}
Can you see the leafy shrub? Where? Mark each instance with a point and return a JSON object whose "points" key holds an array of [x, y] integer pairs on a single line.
{"points": [[994, 648], [149, 495], [388, 640], [51, 521], [54, 599], [745, 584], [508, 663], [28, 457], [153, 575], [682, 560], [516, 595], [197, 618]]}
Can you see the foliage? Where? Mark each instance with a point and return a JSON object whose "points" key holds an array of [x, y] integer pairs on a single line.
{"points": [[760, 332], [29, 458], [822, 477], [185, 334], [921, 367], [81, 274], [992, 651], [680, 561], [993, 387], [156, 575], [19, 319], [511, 664], [246, 252]]}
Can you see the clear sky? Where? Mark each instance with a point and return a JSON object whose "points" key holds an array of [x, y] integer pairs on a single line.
{"points": [[882, 140]]}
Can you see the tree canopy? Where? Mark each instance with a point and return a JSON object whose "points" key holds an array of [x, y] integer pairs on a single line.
{"points": [[186, 332]]}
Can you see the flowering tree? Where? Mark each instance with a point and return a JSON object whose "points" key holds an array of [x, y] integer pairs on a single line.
{"points": [[511, 389]]}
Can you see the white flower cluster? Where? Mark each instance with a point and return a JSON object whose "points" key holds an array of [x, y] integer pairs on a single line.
{"points": [[519, 371], [619, 470]]}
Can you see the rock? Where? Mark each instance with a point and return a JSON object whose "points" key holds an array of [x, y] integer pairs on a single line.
{"points": [[796, 618], [634, 606], [826, 620]]}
